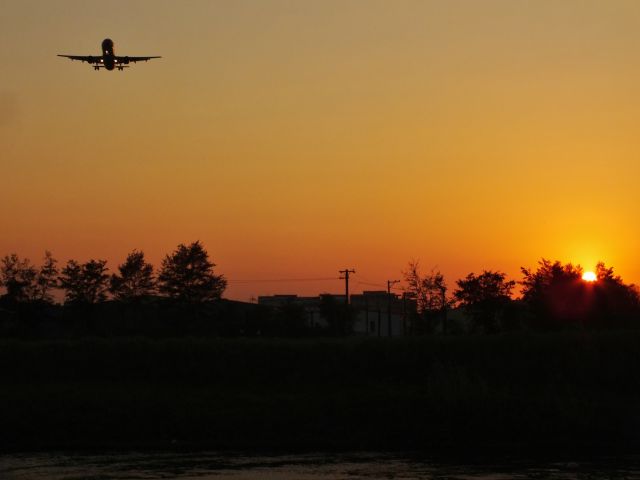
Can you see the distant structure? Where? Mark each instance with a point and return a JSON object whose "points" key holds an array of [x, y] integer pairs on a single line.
{"points": [[377, 313], [311, 305], [381, 314]]}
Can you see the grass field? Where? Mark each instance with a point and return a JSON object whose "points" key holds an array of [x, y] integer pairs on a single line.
{"points": [[503, 392]]}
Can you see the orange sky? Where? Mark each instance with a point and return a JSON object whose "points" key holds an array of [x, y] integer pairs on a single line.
{"points": [[298, 138]]}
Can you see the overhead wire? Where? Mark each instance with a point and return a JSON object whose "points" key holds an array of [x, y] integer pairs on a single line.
{"points": [[359, 280], [371, 284], [272, 280]]}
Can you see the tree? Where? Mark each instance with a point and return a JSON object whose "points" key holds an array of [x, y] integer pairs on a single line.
{"points": [[430, 293], [135, 279], [85, 283], [187, 275], [615, 303], [17, 277], [555, 294], [46, 279], [484, 296], [558, 297]]}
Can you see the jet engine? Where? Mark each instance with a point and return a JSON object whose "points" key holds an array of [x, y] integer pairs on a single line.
{"points": [[91, 60], [126, 60]]}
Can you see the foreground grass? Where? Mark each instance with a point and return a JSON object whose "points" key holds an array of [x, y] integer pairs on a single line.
{"points": [[560, 391]]}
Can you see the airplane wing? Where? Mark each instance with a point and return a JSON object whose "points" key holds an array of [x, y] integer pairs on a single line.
{"points": [[133, 59], [84, 58]]}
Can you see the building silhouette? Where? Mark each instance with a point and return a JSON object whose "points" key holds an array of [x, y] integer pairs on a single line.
{"points": [[375, 313]]}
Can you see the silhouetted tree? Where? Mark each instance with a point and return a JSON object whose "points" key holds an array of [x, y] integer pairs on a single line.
{"points": [[85, 283], [484, 297], [135, 279], [17, 277], [430, 293], [616, 303], [46, 280], [555, 294], [187, 275], [558, 297]]}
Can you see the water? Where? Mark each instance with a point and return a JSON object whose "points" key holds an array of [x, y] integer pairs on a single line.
{"points": [[370, 466]]}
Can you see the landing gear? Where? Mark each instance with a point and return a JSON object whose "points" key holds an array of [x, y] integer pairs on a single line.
{"points": [[95, 67]]}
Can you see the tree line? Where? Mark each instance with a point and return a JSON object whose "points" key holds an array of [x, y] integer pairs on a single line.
{"points": [[553, 296], [186, 275], [187, 290]]}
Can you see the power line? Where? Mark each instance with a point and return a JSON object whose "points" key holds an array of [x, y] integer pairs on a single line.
{"points": [[390, 284], [370, 284], [360, 276], [268, 280]]}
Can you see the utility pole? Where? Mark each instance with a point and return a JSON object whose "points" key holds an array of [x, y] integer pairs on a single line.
{"points": [[345, 277], [390, 283]]}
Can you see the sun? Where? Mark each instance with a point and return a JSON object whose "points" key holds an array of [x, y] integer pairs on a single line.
{"points": [[589, 277]]}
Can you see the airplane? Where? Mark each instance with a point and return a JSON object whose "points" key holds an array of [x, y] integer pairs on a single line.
{"points": [[108, 60]]}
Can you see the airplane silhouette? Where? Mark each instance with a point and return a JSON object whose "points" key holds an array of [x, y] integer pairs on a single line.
{"points": [[108, 59]]}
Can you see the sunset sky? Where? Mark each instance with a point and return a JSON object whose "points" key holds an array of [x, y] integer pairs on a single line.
{"points": [[298, 138]]}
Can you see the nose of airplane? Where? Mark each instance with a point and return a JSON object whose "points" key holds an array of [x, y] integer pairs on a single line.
{"points": [[107, 44]]}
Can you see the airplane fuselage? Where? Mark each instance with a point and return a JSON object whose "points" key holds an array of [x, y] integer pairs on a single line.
{"points": [[108, 57]]}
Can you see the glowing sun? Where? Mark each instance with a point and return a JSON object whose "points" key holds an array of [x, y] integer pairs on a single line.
{"points": [[589, 277]]}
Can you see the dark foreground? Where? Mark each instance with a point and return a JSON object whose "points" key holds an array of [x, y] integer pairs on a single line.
{"points": [[350, 466], [570, 392]]}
